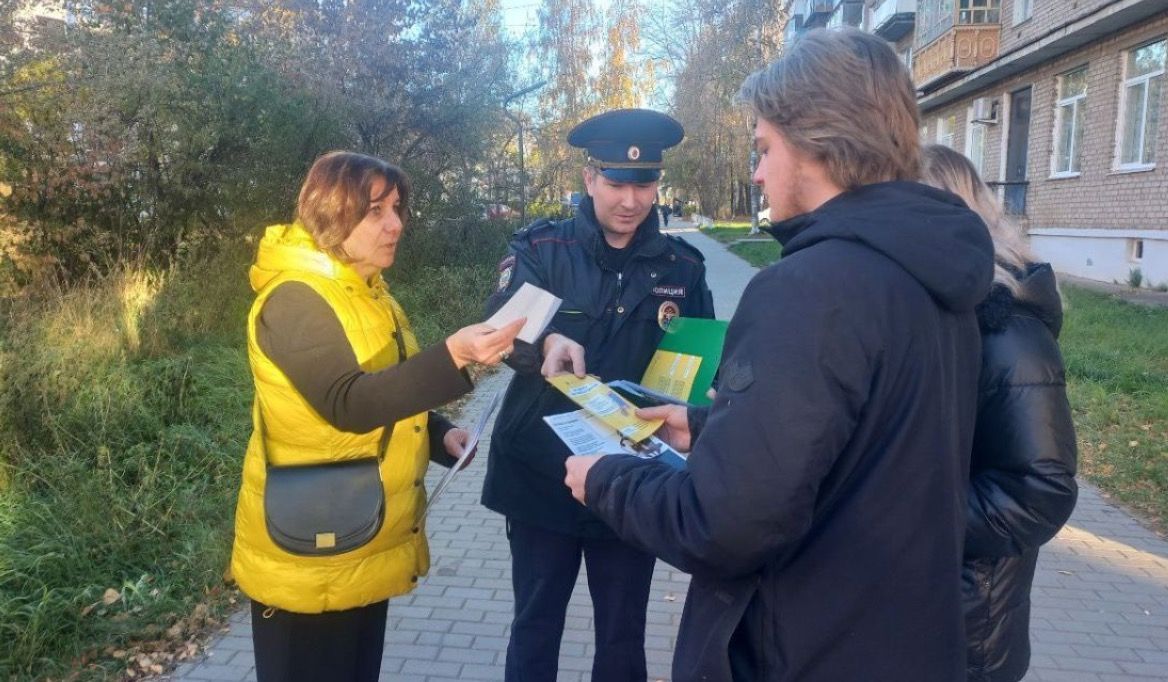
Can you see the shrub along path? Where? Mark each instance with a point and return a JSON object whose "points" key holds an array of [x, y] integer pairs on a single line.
{"points": [[1100, 595]]}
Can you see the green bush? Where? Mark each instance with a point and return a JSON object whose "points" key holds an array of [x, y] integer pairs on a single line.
{"points": [[444, 273], [552, 210]]}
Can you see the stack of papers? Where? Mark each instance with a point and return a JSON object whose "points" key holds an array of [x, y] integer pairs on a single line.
{"points": [[537, 305], [585, 434], [606, 405], [607, 424]]}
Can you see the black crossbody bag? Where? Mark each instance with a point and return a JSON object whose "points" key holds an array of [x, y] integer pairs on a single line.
{"points": [[328, 508]]}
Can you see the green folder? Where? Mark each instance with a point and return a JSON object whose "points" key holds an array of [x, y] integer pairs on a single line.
{"points": [[701, 337]]}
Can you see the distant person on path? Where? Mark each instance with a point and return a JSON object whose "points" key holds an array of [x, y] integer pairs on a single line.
{"points": [[665, 211], [823, 507], [619, 278], [1022, 475], [337, 369]]}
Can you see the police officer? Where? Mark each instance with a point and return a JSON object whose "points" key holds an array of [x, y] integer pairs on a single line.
{"points": [[620, 280]]}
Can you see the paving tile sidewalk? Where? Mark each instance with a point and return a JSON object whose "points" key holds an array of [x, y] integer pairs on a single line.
{"points": [[1100, 596]]}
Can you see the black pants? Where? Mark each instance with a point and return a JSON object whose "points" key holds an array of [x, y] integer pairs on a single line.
{"points": [[309, 647], [544, 565]]}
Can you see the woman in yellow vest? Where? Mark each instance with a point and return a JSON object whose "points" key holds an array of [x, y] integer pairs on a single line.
{"points": [[342, 427]]}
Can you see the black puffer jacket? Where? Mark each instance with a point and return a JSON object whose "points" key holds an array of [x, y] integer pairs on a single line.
{"points": [[1022, 472]]}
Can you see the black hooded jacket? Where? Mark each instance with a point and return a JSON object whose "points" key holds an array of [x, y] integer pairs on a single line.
{"points": [[823, 509], [1022, 474]]}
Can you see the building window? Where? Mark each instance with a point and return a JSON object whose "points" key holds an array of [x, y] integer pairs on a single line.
{"points": [[1139, 108], [975, 136], [1135, 250], [1068, 122], [1022, 10], [934, 17], [978, 11], [947, 130]]}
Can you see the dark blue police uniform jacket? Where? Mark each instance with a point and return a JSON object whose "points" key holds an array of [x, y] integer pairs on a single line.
{"points": [[614, 315]]}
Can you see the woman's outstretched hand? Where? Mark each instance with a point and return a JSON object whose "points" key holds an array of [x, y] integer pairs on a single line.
{"points": [[482, 343]]}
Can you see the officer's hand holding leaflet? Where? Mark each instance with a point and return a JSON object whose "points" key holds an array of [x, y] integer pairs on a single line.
{"points": [[560, 355]]}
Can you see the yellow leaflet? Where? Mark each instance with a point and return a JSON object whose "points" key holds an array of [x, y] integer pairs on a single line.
{"points": [[672, 373], [606, 405]]}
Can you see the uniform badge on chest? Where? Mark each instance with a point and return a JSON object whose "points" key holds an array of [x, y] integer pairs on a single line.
{"points": [[666, 313]]}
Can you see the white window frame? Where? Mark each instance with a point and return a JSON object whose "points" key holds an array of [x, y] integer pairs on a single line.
{"points": [[951, 134], [1124, 87], [980, 8], [1023, 10], [975, 154], [1063, 106]]}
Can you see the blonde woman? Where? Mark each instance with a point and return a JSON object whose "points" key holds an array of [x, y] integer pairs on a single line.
{"points": [[1022, 486], [327, 527]]}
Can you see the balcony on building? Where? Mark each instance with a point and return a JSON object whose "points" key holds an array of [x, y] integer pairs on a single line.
{"points": [[794, 29], [893, 19], [847, 13], [954, 37], [816, 13]]}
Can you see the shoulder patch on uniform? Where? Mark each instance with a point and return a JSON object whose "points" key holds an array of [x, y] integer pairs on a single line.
{"points": [[687, 250], [506, 269], [736, 375]]}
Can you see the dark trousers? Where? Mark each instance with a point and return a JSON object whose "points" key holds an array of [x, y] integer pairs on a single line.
{"points": [[544, 565], [309, 647]]}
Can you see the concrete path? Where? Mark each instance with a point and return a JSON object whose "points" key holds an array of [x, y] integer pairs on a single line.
{"points": [[726, 274], [1100, 595]]}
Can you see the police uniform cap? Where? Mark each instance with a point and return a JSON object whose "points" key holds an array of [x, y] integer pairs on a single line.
{"points": [[627, 144]]}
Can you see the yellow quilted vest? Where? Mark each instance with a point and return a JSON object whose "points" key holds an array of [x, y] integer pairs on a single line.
{"points": [[391, 563]]}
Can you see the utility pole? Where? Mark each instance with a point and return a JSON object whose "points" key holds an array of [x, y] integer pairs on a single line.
{"points": [[518, 119], [754, 194]]}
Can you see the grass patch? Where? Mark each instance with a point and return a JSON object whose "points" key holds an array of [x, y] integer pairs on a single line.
{"points": [[1117, 374], [758, 254], [124, 415], [728, 232], [122, 427]]}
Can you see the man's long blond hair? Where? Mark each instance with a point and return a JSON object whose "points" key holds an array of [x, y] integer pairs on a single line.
{"points": [[845, 99], [949, 170]]}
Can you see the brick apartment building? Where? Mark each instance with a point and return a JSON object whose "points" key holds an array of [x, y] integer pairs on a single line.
{"points": [[1059, 103]]}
